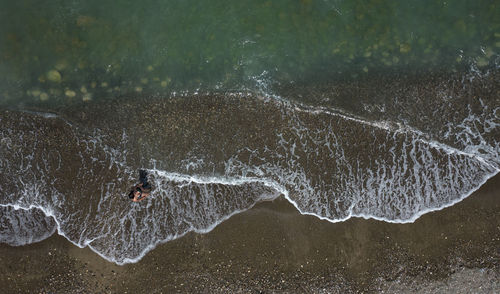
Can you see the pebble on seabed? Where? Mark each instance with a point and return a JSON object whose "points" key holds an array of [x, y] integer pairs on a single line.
{"points": [[87, 97], [481, 62], [44, 96], [165, 82], [54, 76], [488, 52], [404, 48], [70, 93], [61, 65], [36, 93]]}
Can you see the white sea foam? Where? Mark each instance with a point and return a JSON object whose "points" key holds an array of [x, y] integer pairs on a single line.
{"points": [[326, 163], [24, 226]]}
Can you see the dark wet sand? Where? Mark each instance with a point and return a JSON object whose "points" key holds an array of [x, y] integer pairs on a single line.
{"points": [[272, 248]]}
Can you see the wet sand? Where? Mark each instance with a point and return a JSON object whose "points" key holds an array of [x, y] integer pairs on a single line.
{"points": [[273, 249]]}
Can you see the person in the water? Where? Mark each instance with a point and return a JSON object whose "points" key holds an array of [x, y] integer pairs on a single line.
{"points": [[141, 190]]}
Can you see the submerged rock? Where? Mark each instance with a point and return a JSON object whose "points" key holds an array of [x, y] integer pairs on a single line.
{"points": [[54, 76]]}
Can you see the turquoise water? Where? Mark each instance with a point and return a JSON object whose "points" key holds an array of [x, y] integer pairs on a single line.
{"points": [[68, 51]]}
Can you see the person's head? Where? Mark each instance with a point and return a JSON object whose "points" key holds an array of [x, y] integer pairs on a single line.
{"points": [[136, 192]]}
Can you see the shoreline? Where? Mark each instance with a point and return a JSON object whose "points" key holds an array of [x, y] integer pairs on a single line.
{"points": [[273, 248]]}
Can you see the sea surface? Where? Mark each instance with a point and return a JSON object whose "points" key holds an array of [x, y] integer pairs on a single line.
{"points": [[376, 109]]}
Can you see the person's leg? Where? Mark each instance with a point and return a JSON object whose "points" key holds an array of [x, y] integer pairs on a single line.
{"points": [[143, 178], [143, 175]]}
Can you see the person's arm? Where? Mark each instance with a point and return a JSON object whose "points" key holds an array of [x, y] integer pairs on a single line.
{"points": [[144, 195], [137, 199], [137, 195], [141, 196]]}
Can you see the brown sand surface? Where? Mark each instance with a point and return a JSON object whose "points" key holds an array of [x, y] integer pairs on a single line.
{"points": [[273, 249]]}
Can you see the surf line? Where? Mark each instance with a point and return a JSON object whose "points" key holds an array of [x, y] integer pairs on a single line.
{"points": [[388, 127], [279, 188], [187, 179], [48, 213], [169, 176], [225, 181], [283, 191]]}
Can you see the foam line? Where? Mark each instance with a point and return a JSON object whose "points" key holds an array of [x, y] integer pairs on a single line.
{"points": [[153, 246], [394, 221], [180, 178], [46, 211], [383, 125], [177, 177], [200, 203], [223, 180], [42, 114]]}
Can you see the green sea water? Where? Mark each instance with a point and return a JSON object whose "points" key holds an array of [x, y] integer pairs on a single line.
{"points": [[67, 51]]}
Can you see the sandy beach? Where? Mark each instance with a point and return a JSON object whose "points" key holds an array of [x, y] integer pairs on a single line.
{"points": [[273, 249], [262, 127]]}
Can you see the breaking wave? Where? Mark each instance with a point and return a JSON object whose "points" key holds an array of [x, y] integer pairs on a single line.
{"points": [[210, 157]]}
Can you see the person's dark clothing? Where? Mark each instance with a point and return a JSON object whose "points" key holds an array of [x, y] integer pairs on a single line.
{"points": [[143, 178], [143, 186], [131, 194]]}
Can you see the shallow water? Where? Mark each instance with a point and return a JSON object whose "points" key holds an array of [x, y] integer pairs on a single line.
{"points": [[63, 51], [346, 108]]}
